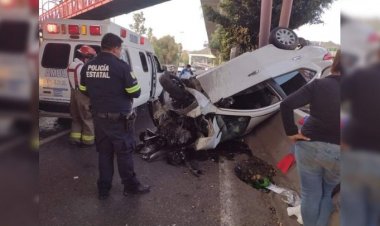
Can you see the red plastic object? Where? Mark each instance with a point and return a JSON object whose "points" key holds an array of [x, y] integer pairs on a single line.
{"points": [[285, 163]]}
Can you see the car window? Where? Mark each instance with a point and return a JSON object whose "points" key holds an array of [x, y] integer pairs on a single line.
{"points": [[18, 31], [292, 81], [255, 97], [235, 125], [143, 61], [51, 51], [77, 55]]}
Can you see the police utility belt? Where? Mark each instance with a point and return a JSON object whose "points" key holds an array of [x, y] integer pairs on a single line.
{"points": [[128, 118]]}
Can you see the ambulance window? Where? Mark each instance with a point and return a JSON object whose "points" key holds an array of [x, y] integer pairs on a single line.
{"points": [[19, 31], [56, 55], [143, 61]]}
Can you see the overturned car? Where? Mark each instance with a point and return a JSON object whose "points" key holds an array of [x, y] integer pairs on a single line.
{"points": [[230, 100]]}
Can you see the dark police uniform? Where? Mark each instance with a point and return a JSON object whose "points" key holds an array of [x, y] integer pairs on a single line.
{"points": [[111, 87]]}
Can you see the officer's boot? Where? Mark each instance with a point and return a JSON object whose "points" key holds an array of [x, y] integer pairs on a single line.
{"points": [[103, 190], [133, 186]]}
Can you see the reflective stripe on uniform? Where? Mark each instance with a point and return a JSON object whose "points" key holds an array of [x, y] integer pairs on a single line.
{"points": [[88, 137], [75, 135], [82, 88], [133, 89]]}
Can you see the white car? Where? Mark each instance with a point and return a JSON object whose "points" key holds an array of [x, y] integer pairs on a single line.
{"points": [[228, 101]]}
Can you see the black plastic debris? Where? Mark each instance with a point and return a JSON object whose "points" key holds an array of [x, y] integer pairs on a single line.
{"points": [[255, 172]]}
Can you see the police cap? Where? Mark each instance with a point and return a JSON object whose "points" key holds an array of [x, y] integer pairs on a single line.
{"points": [[110, 41]]}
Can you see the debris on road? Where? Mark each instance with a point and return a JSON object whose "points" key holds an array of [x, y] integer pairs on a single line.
{"points": [[296, 211], [156, 145], [255, 172]]}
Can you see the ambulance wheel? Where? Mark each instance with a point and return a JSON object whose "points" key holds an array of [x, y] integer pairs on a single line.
{"points": [[283, 38], [174, 86]]}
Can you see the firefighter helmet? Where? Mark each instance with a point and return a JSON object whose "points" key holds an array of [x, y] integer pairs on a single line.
{"points": [[87, 51]]}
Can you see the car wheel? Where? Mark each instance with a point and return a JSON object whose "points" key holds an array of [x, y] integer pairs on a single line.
{"points": [[283, 38], [174, 86]]}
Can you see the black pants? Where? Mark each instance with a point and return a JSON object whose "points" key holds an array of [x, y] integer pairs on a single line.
{"points": [[112, 138]]}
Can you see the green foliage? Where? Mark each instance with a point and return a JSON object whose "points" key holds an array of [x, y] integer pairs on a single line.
{"points": [[184, 58], [150, 34], [139, 25], [239, 21], [166, 49]]}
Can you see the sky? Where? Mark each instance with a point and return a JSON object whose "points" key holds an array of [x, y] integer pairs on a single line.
{"points": [[183, 19]]}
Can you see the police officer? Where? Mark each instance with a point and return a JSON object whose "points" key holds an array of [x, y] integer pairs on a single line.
{"points": [[82, 126], [111, 87]]}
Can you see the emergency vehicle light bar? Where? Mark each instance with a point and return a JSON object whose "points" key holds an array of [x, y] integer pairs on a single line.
{"points": [[52, 28], [142, 40], [84, 30], [73, 29], [95, 30], [63, 29], [123, 33]]}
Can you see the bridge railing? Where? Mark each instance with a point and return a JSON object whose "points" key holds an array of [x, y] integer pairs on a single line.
{"points": [[71, 8]]}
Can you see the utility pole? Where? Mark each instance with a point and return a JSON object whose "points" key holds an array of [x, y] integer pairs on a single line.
{"points": [[286, 11], [265, 22]]}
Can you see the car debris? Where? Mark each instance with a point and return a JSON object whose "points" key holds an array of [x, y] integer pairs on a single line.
{"points": [[228, 101]]}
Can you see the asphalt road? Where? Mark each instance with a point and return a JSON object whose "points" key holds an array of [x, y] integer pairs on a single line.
{"points": [[68, 194]]}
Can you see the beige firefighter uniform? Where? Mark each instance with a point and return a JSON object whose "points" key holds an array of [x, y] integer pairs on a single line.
{"points": [[82, 127]]}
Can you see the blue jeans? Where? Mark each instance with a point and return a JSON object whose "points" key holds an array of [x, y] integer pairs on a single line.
{"points": [[318, 165], [360, 196]]}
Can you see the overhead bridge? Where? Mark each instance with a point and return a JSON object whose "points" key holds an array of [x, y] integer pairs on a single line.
{"points": [[95, 9]]}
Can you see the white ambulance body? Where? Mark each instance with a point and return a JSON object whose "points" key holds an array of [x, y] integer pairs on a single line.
{"points": [[61, 40]]}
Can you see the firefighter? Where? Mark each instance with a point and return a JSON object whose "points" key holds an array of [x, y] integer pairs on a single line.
{"points": [[111, 87], [82, 127]]}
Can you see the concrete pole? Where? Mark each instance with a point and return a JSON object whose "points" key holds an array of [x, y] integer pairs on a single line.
{"points": [[286, 11], [265, 22]]}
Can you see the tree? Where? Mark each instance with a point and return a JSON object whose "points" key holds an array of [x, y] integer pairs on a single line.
{"points": [[166, 49], [239, 21], [150, 34], [139, 24], [184, 59]]}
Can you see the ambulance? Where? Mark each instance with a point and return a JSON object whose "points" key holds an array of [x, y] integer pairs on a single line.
{"points": [[61, 38]]}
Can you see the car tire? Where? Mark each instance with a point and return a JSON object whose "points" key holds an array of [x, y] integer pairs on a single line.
{"points": [[174, 86], [283, 38]]}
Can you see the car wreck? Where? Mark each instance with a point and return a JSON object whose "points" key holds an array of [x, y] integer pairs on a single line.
{"points": [[228, 101]]}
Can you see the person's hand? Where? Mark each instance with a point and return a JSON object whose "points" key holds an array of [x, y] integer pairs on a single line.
{"points": [[298, 137]]}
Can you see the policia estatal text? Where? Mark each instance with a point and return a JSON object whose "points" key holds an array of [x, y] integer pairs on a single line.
{"points": [[111, 86]]}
